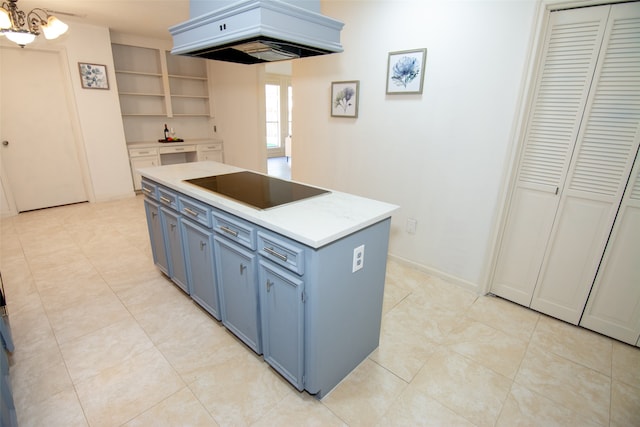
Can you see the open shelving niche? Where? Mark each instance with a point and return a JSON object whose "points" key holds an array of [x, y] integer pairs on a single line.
{"points": [[156, 87]]}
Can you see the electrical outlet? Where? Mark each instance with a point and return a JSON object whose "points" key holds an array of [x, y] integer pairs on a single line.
{"points": [[411, 225], [358, 258]]}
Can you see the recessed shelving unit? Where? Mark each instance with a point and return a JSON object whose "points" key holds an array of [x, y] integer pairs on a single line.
{"points": [[156, 87]]}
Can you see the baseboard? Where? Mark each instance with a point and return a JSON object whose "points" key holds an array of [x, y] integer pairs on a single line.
{"points": [[470, 286]]}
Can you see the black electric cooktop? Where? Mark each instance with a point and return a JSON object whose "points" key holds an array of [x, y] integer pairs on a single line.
{"points": [[257, 190]]}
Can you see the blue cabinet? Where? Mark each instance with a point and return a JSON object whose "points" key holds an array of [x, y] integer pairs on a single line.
{"points": [[156, 236], [282, 312], [198, 251], [236, 272], [175, 254]]}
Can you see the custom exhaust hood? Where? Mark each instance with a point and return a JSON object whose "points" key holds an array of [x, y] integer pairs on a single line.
{"points": [[255, 31]]}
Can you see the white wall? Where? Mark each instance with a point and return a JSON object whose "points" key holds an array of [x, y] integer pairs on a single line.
{"points": [[441, 156], [101, 143], [99, 114], [237, 114]]}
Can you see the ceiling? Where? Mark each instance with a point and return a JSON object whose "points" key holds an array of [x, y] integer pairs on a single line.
{"points": [[150, 18]]}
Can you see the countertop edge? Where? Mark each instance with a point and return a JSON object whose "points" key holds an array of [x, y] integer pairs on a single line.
{"points": [[285, 215]]}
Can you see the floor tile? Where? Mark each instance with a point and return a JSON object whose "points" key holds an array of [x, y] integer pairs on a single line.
{"points": [[625, 405], [401, 350], [626, 364], [364, 395], [300, 409], [581, 389], [527, 409], [574, 343], [128, 389], [463, 386], [239, 390], [58, 410], [490, 347], [415, 408], [92, 314], [505, 316], [88, 355], [179, 409]]}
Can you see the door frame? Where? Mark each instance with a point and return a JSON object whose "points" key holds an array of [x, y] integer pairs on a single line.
{"points": [[518, 129], [72, 107]]}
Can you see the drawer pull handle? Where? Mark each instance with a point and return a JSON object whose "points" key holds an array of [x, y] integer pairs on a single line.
{"points": [[229, 231], [143, 152], [191, 212], [146, 190], [165, 200], [271, 251]]}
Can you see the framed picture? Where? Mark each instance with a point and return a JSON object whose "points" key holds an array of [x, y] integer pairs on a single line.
{"points": [[344, 98], [93, 76], [405, 71]]}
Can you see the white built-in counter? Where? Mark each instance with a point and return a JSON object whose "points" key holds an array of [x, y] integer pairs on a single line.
{"points": [[315, 222]]}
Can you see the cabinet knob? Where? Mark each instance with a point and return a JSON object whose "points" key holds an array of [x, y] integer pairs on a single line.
{"points": [[202, 245], [242, 268], [5, 142], [269, 285]]}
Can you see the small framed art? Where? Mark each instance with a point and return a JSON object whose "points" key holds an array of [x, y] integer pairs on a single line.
{"points": [[405, 71], [344, 98], [93, 76]]}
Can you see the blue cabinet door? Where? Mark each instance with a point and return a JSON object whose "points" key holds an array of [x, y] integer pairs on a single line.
{"points": [[198, 251], [156, 237], [236, 273], [175, 255], [282, 312]]}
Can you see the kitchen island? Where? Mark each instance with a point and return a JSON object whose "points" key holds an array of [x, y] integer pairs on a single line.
{"points": [[301, 283]]}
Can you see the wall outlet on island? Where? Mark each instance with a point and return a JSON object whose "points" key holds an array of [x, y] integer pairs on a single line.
{"points": [[358, 258]]}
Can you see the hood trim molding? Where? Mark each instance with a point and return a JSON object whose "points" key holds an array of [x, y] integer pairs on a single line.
{"points": [[252, 19]]}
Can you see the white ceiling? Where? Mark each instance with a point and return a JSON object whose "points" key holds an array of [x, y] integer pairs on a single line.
{"points": [[150, 18]]}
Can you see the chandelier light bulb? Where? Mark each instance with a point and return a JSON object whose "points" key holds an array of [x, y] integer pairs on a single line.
{"points": [[54, 28], [5, 21]]}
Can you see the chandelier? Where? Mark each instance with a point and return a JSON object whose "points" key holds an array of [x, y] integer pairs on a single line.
{"points": [[22, 28]]}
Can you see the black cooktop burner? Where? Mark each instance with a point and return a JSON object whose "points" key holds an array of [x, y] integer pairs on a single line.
{"points": [[254, 189]]}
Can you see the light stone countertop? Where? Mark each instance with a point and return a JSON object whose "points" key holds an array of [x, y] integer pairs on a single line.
{"points": [[148, 144], [315, 222]]}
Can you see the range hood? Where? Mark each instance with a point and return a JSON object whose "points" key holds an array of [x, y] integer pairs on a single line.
{"points": [[255, 31]]}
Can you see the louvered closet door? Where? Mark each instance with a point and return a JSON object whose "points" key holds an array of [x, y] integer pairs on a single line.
{"points": [[613, 307], [599, 171], [572, 43]]}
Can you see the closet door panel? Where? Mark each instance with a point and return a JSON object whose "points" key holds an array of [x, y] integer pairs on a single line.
{"points": [[571, 47], [522, 248], [605, 151], [613, 307]]}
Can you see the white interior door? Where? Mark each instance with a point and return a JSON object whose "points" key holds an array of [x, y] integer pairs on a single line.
{"points": [[40, 156]]}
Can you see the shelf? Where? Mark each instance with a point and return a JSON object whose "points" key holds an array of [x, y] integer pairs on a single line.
{"points": [[190, 96], [138, 73], [175, 76], [141, 94]]}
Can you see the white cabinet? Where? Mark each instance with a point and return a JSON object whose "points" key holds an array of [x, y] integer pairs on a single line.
{"points": [[580, 144], [210, 152], [142, 158]]}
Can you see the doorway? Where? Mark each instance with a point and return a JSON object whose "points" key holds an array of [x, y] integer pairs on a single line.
{"points": [[39, 153], [278, 95]]}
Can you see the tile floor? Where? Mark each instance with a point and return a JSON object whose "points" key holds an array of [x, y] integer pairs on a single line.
{"points": [[103, 339]]}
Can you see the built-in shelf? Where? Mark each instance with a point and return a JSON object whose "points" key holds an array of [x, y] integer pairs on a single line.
{"points": [[156, 87]]}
